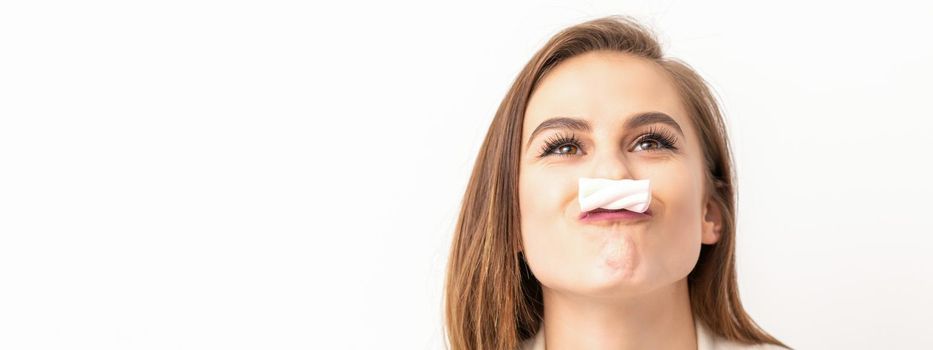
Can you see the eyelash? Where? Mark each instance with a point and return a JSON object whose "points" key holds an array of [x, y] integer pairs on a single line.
{"points": [[664, 139]]}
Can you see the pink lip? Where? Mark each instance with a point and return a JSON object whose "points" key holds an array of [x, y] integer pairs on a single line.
{"points": [[604, 214]]}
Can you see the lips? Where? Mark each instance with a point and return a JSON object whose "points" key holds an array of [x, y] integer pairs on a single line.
{"points": [[600, 214]]}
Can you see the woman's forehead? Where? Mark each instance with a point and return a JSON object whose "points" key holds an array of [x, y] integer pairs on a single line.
{"points": [[603, 88]]}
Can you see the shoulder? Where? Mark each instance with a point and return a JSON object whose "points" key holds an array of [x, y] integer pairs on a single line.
{"points": [[723, 344], [707, 340]]}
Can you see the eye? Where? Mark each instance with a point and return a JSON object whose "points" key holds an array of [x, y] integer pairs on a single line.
{"points": [[568, 149], [648, 144], [561, 146], [655, 140]]}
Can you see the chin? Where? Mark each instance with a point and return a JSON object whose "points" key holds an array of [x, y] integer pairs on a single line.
{"points": [[618, 282], [619, 271], [602, 283]]}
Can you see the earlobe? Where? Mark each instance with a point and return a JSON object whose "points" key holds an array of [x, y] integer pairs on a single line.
{"points": [[712, 223]]}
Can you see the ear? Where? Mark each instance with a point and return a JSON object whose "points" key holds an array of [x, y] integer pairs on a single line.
{"points": [[712, 223]]}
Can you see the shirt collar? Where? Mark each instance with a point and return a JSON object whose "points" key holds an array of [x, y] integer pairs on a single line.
{"points": [[705, 339]]}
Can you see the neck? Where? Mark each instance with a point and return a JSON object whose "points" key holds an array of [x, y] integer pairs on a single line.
{"points": [[660, 319]]}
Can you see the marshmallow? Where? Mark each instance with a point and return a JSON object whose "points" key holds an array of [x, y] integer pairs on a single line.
{"points": [[633, 195]]}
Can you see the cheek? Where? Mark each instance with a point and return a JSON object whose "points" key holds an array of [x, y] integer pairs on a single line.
{"points": [[680, 191], [545, 195], [679, 187]]}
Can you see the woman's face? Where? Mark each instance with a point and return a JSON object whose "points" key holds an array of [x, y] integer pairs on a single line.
{"points": [[607, 91]]}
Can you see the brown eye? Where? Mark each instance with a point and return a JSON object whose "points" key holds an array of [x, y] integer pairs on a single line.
{"points": [[562, 146], [647, 145], [655, 140], [568, 149]]}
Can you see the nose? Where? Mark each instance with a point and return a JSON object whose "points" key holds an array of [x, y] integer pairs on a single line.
{"points": [[611, 163]]}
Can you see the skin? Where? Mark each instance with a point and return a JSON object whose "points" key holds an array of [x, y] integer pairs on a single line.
{"points": [[613, 284]]}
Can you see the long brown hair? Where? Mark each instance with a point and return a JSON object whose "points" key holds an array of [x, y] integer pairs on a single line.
{"points": [[492, 299]]}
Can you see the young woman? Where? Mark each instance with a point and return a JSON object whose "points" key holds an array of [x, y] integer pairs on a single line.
{"points": [[527, 266]]}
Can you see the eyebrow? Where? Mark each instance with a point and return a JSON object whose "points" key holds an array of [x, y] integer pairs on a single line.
{"points": [[581, 125]]}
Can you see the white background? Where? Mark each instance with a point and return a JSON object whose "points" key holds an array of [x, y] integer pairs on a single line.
{"points": [[280, 175]]}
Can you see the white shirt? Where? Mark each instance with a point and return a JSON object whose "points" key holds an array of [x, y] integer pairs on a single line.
{"points": [[706, 340]]}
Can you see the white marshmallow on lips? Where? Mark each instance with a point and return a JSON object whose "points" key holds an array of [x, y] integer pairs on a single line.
{"points": [[632, 195]]}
